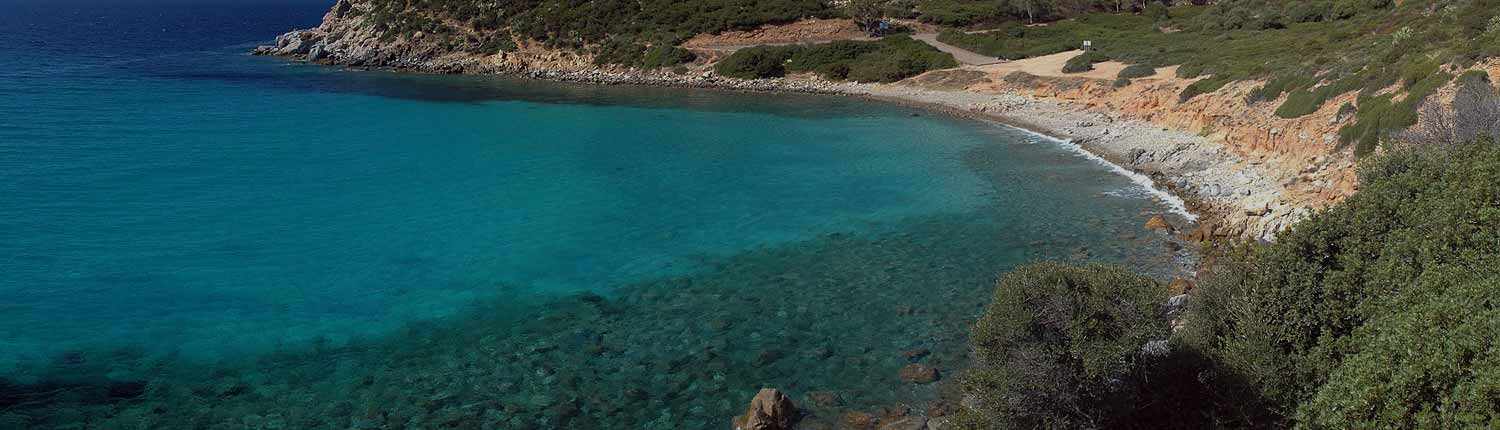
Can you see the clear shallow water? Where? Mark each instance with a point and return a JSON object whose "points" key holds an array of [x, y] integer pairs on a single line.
{"points": [[192, 235]]}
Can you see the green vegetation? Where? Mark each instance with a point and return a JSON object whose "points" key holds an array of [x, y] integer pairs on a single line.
{"points": [[1136, 71], [1059, 347], [618, 32], [1380, 312], [1081, 63], [965, 13], [890, 59], [1309, 51]]}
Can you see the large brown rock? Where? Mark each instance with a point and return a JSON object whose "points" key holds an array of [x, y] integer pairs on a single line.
{"points": [[919, 374], [769, 410], [1157, 222]]}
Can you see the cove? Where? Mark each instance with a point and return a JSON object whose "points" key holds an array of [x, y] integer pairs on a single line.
{"points": [[206, 238]]}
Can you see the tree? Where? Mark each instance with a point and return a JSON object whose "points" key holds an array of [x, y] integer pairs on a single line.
{"points": [[865, 13], [1032, 8]]}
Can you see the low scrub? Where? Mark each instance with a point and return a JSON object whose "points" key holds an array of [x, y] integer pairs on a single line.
{"points": [[1081, 63], [1379, 312], [1060, 347], [1137, 71], [1308, 51], [890, 59]]}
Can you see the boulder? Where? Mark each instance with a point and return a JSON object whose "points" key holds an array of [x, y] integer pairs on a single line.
{"points": [[769, 410], [919, 374], [1157, 222], [317, 53]]}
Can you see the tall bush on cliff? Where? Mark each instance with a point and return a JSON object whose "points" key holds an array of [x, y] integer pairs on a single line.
{"points": [[1381, 312], [1061, 347]]}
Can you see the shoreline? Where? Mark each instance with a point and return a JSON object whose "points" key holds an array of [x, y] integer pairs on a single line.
{"points": [[996, 109]]}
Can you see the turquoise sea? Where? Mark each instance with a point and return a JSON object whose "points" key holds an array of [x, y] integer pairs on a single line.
{"points": [[191, 237]]}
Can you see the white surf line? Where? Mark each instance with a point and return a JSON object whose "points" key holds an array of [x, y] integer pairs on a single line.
{"points": [[1177, 205]]}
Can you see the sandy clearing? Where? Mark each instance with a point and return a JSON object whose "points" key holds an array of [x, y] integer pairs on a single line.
{"points": [[1051, 65]]}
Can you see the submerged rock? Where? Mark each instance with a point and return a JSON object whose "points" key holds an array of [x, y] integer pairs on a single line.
{"points": [[825, 399], [919, 374], [916, 422], [769, 410], [859, 421], [915, 355]]}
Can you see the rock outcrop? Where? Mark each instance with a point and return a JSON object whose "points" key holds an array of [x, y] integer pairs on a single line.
{"points": [[769, 410]]}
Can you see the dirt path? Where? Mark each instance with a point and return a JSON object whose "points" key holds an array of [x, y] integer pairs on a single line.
{"points": [[963, 56]]}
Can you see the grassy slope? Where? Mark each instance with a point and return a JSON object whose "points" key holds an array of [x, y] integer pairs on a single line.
{"points": [[1310, 53]]}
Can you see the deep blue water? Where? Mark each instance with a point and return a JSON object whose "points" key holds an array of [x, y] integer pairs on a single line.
{"points": [[163, 193]]}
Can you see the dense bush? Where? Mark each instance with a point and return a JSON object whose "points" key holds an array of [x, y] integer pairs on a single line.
{"points": [[757, 62], [666, 55], [1135, 71], [1080, 63], [1202, 86], [889, 59], [565, 23], [1061, 347], [1380, 312]]}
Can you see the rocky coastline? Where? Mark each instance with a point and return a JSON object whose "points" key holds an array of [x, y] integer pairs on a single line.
{"points": [[1212, 182], [1221, 195], [1241, 172]]}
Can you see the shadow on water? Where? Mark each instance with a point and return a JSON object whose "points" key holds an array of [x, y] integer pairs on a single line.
{"points": [[284, 74], [834, 315]]}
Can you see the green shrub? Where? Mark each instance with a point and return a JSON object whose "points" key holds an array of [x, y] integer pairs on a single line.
{"points": [[1201, 87], [757, 62], [1379, 312], [889, 59], [1060, 347], [663, 55], [622, 52], [1274, 88], [1379, 117], [1158, 12], [1135, 71], [1308, 11], [1081, 63], [1345, 9], [1300, 103], [1190, 70], [497, 43]]}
